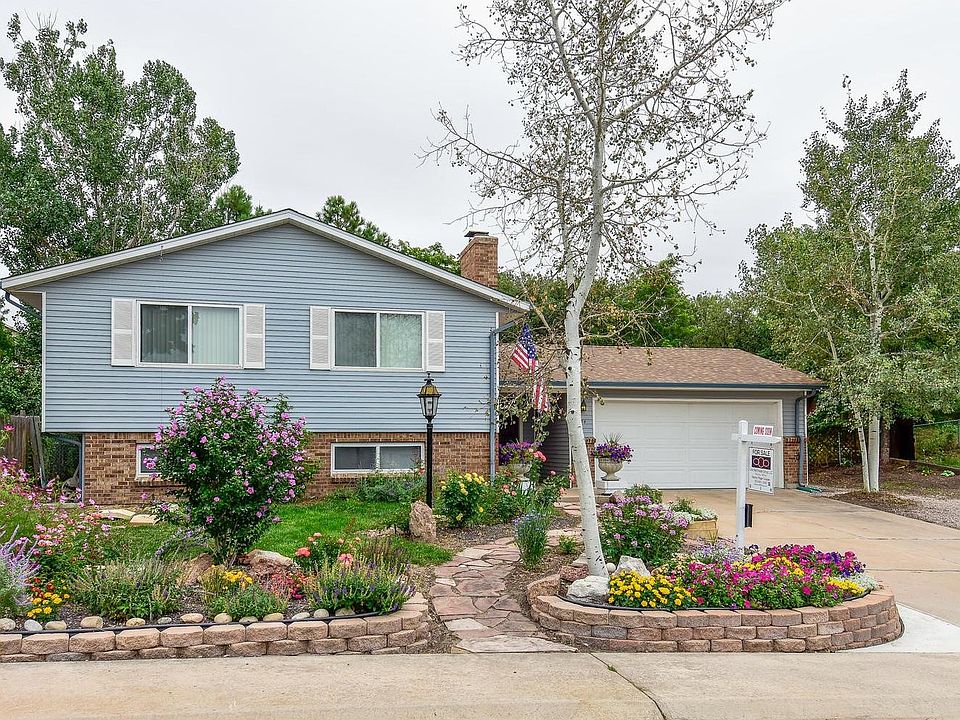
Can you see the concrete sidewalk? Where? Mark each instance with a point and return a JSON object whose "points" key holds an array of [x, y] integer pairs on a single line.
{"points": [[919, 560], [489, 687]]}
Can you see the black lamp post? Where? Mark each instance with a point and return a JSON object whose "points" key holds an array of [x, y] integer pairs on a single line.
{"points": [[429, 399]]}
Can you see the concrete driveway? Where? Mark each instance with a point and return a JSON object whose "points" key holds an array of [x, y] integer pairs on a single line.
{"points": [[919, 560]]}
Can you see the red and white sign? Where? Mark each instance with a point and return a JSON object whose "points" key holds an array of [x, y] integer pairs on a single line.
{"points": [[766, 430]]}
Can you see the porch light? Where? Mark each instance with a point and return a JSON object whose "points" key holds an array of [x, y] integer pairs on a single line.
{"points": [[429, 400]]}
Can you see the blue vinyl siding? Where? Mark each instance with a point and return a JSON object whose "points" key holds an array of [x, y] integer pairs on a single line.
{"points": [[287, 269]]}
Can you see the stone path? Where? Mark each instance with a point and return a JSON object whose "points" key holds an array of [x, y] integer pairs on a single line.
{"points": [[471, 598]]}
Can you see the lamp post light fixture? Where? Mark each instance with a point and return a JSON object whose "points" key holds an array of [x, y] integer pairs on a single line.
{"points": [[429, 400]]}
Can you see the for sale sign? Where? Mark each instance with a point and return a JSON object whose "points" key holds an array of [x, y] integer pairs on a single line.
{"points": [[760, 472], [763, 430]]}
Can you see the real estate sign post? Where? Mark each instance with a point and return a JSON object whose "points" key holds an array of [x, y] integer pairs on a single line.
{"points": [[754, 467]]}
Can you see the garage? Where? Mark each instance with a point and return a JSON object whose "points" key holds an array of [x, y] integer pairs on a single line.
{"points": [[683, 443]]}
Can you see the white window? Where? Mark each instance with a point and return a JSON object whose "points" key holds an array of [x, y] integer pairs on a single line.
{"points": [[371, 457], [146, 460], [367, 339], [188, 334]]}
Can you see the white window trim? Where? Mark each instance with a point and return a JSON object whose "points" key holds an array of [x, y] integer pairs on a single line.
{"points": [[378, 367], [189, 305], [376, 461], [140, 448]]}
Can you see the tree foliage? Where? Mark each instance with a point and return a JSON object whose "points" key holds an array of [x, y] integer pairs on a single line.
{"points": [[345, 215], [97, 163], [233, 205], [19, 365], [865, 295], [733, 319]]}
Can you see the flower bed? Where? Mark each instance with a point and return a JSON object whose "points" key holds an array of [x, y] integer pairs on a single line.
{"points": [[861, 622], [402, 631]]}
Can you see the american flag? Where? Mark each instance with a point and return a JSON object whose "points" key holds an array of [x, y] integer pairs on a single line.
{"points": [[525, 357]]}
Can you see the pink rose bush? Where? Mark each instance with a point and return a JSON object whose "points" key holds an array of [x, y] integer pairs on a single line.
{"points": [[236, 459]]}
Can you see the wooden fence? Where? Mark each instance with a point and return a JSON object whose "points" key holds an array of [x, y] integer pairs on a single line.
{"points": [[23, 443]]}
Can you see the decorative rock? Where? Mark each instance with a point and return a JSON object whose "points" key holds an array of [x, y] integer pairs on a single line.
{"points": [[266, 632], [263, 563], [248, 619], [135, 622], [55, 625], [92, 642], [7, 624], [273, 617], [344, 611], [321, 613], [593, 588], [137, 639], [165, 620], [197, 567], [118, 514], [32, 625], [632, 563], [92, 621], [611, 568], [222, 618], [143, 519], [301, 616], [191, 618], [423, 525]]}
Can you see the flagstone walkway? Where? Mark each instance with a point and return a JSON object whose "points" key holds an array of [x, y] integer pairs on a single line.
{"points": [[470, 596]]}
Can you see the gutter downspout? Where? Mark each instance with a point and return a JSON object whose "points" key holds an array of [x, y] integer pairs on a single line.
{"points": [[494, 376], [19, 306]]}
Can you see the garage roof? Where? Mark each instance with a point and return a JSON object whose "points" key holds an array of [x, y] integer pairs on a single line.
{"points": [[611, 366]]}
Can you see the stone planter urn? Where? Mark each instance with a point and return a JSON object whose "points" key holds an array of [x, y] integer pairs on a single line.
{"points": [[702, 530], [610, 469], [521, 472]]}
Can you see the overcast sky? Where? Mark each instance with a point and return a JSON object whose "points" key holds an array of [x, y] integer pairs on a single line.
{"points": [[336, 97]]}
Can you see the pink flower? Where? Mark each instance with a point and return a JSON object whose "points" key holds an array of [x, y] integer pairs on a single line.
{"points": [[302, 552], [203, 440], [217, 499], [226, 436], [250, 491]]}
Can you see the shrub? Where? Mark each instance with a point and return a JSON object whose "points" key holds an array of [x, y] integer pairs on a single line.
{"points": [[246, 601], [356, 585], [461, 498], [236, 461], [17, 569], [530, 532], [636, 491], [121, 589], [639, 527], [630, 589], [567, 545], [392, 487], [506, 499], [686, 508]]}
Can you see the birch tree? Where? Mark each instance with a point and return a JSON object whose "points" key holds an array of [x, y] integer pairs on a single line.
{"points": [[630, 120], [865, 295]]}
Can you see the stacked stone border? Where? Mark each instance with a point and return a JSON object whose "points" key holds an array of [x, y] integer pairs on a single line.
{"points": [[406, 630], [870, 620]]}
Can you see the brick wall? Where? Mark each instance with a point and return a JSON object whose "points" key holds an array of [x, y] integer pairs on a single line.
{"points": [[478, 261], [110, 462], [791, 459]]}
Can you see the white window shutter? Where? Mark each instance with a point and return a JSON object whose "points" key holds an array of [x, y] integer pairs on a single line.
{"points": [[254, 336], [435, 341], [321, 326], [122, 323]]}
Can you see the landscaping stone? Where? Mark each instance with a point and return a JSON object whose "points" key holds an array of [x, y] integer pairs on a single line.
{"points": [[592, 588], [632, 563], [45, 643], [245, 649], [222, 618], [366, 643], [202, 651], [114, 655], [512, 644], [7, 624], [157, 653], [308, 630], [321, 613], [423, 524], [32, 625], [135, 622], [165, 620], [178, 637], [192, 618], [67, 657], [347, 628], [91, 621], [264, 563], [384, 625], [287, 647], [92, 642], [273, 617], [196, 567], [327, 646], [248, 619], [266, 631], [224, 634], [137, 639], [143, 519], [10, 644], [61, 625], [344, 611], [301, 616]]}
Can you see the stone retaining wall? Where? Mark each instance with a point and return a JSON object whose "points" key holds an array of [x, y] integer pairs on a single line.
{"points": [[870, 620], [406, 630]]}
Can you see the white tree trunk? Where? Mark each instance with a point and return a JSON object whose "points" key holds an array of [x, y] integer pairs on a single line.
{"points": [[873, 450], [864, 456]]}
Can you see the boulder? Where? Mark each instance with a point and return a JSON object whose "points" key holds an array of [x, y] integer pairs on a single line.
{"points": [[321, 613], [135, 622], [301, 616], [7, 624], [632, 563], [197, 567], [592, 588], [344, 611], [143, 519], [55, 625], [222, 618], [92, 621], [32, 625], [423, 525], [262, 564], [569, 573]]}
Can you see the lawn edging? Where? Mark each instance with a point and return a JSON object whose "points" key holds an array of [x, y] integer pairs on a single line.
{"points": [[402, 631], [869, 620]]}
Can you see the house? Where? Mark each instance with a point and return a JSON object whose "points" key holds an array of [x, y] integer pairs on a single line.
{"points": [[344, 327], [677, 408]]}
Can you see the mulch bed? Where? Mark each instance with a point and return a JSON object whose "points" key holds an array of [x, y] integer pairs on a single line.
{"points": [[907, 490]]}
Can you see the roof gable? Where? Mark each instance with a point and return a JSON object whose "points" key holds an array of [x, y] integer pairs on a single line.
{"points": [[27, 281]]}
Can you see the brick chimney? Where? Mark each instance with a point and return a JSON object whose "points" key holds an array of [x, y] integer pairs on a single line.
{"points": [[478, 260]]}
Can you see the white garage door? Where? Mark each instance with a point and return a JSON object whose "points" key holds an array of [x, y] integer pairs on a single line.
{"points": [[683, 444]]}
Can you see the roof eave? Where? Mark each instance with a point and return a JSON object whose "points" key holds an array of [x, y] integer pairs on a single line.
{"points": [[615, 385], [18, 283]]}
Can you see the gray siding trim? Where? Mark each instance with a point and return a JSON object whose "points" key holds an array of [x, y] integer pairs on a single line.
{"points": [[287, 269]]}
